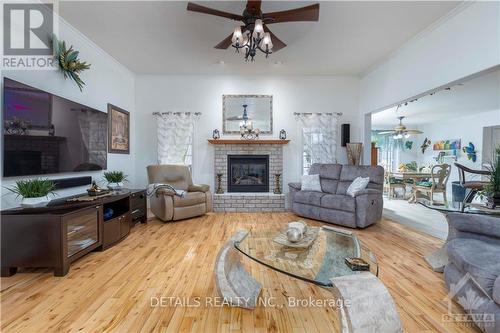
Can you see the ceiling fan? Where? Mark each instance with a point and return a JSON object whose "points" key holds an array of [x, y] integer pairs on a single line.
{"points": [[400, 130], [254, 35]]}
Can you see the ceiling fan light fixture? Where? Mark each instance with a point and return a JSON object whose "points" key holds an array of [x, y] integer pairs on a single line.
{"points": [[249, 36], [237, 36], [407, 135], [258, 29], [266, 43]]}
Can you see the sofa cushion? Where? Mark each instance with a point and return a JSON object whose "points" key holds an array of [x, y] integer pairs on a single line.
{"points": [[329, 175], [339, 202], [357, 185], [190, 199], [351, 172], [309, 197], [478, 258], [311, 183]]}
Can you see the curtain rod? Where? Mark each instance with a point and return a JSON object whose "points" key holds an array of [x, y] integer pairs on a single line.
{"points": [[176, 113], [317, 113]]}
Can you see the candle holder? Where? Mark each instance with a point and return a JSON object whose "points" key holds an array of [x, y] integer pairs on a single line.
{"points": [[277, 183], [219, 184]]}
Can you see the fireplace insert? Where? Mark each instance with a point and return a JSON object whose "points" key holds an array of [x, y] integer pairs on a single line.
{"points": [[248, 173]]}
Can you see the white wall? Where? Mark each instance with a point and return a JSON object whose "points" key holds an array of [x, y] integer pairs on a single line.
{"points": [[107, 81], [204, 94], [468, 129], [464, 44]]}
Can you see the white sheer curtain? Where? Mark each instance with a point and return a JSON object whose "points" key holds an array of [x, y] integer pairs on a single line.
{"points": [[175, 137], [319, 138]]}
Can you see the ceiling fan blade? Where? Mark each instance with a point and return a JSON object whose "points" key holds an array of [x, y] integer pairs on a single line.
{"points": [[278, 44], [414, 131], [308, 13], [225, 43], [253, 7], [205, 10], [386, 132]]}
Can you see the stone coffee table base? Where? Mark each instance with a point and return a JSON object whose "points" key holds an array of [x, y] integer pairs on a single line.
{"points": [[234, 284], [370, 305]]}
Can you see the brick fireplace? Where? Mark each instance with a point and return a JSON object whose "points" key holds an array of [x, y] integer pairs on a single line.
{"points": [[252, 158]]}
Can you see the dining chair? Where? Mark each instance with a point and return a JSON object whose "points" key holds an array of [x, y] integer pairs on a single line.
{"points": [[436, 184], [391, 183], [473, 186]]}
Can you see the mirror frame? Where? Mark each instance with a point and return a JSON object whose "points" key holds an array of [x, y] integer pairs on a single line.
{"points": [[224, 97]]}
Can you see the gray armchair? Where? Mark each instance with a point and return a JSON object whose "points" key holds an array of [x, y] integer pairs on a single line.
{"points": [[473, 249], [333, 204], [166, 205]]}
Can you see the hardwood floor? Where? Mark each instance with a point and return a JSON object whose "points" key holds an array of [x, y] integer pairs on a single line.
{"points": [[112, 291]]}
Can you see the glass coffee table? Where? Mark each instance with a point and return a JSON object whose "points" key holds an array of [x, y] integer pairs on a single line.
{"points": [[458, 206], [365, 301], [318, 264]]}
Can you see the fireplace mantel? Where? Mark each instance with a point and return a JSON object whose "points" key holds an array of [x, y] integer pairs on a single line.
{"points": [[247, 142]]}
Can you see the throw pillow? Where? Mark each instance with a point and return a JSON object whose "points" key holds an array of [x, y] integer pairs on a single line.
{"points": [[311, 183], [357, 185]]}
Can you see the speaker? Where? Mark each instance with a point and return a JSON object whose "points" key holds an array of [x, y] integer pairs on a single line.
{"points": [[345, 134], [72, 182]]}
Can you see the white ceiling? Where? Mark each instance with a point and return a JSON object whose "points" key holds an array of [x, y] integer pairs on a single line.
{"points": [[478, 95], [161, 37]]}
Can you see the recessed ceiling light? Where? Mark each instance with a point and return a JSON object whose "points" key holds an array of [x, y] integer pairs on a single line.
{"points": [[221, 62], [278, 62]]}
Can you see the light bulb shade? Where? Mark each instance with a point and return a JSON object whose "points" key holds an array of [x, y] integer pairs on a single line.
{"points": [[407, 135], [266, 42], [237, 36], [258, 29]]}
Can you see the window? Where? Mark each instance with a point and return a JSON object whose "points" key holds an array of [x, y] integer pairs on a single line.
{"points": [[319, 138], [312, 138], [175, 138]]}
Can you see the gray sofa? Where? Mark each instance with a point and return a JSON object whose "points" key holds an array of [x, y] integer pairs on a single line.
{"points": [[473, 247], [333, 205]]}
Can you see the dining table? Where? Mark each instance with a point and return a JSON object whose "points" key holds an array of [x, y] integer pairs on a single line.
{"points": [[415, 176]]}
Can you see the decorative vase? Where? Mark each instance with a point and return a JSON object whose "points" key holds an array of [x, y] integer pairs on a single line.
{"points": [[354, 153], [293, 235], [115, 186], [34, 202]]}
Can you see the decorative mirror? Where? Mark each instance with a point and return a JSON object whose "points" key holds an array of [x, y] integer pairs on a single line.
{"points": [[250, 111]]}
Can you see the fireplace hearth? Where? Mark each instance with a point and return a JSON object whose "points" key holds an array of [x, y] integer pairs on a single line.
{"points": [[248, 173]]}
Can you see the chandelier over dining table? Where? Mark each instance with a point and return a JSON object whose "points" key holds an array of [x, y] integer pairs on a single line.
{"points": [[251, 39]]}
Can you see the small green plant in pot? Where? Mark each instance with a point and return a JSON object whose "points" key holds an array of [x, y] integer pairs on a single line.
{"points": [[34, 192], [115, 179]]}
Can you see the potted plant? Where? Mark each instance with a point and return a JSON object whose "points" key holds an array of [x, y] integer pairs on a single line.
{"points": [[115, 179], [492, 190], [34, 192]]}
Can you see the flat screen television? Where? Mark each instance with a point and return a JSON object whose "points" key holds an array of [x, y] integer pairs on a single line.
{"points": [[47, 134]]}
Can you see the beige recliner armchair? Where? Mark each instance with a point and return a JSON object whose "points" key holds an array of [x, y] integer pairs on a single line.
{"points": [[170, 207]]}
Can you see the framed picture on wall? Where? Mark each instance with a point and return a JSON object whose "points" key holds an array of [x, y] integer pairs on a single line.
{"points": [[118, 130]]}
